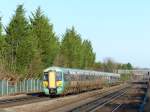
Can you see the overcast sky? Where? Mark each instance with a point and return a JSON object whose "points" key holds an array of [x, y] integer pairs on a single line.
{"points": [[117, 28]]}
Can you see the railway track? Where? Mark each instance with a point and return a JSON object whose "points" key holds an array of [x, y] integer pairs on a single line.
{"points": [[12, 103], [100, 102], [21, 101]]}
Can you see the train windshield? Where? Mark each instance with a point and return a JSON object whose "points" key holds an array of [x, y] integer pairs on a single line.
{"points": [[45, 78], [58, 76]]}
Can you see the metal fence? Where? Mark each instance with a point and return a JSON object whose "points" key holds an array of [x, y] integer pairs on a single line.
{"points": [[25, 86]]}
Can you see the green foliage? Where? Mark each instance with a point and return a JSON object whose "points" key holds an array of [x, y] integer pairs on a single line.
{"points": [[99, 66], [87, 54], [75, 53], [36, 66], [3, 71], [2, 41], [3, 47], [70, 48], [127, 66], [0, 27], [47, 42], [25, 54], [125, 77], [17, 33]]}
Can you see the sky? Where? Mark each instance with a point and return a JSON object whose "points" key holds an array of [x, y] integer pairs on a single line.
{"points": [[119, 29]]}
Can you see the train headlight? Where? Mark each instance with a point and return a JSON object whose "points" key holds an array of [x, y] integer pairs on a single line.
{"points": [[59, 83], [45, 84]]}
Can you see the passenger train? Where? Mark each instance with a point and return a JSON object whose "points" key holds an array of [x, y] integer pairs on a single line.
{"points": [[61, 81]]}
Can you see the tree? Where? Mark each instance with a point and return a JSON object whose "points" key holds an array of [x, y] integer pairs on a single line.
{"points": [[47, 41], [110, 65], [98, 66], [127, 66], [87, 54], [0, 27], [71, 49], [2, 45], [1, 42], [36, 66], [3, 71], [17, 35], [25, 54], [1, 39]]}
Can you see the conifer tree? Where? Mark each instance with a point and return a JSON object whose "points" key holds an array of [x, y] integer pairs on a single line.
{"points": [[70, 48], [17, 35], [1, 40], [88, 56], [2, 44], [0, 27], [47, 41]]}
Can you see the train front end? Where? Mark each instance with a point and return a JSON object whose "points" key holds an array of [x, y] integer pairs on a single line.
{"points": [[53, 82]]}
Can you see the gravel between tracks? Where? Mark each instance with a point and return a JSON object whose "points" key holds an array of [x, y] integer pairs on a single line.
{"points": [[13, 96]]}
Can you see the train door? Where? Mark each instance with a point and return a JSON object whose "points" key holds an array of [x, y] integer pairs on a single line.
{"points": [[52, 80]]}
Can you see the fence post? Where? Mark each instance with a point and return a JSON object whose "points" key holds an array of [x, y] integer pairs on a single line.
{"points": [[24, 85], [16, 88], [37, 84], [2, 88], [7, 87], [40, 85], [34, 86], [27, 86], [31, 84], [20, 86]]}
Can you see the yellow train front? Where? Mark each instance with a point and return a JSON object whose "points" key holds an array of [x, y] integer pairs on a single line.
{"points": [[53, 82], [61, 81]]}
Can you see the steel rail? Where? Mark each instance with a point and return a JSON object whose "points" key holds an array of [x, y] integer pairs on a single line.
{"points": [[116, 108]]}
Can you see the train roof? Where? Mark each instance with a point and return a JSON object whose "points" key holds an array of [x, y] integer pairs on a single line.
{"points": [[80, 71]]}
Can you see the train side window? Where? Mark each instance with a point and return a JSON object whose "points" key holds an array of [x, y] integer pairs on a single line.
{"points": [[72, 77], [67, 77], [82, 77], [75, 77], [87, 77]]}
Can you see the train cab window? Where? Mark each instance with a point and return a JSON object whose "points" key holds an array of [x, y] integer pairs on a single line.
{"points": [[45, 78], [58, 76]]}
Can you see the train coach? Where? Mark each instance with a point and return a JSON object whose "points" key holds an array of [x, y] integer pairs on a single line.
{"points": [[61, 81]]}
